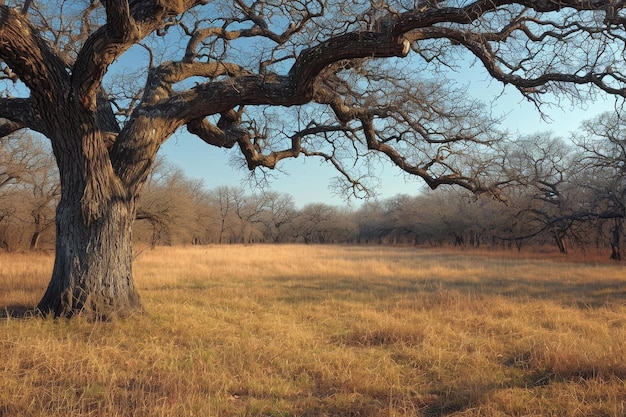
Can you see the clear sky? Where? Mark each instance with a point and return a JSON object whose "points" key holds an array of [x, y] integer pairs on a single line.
{"points": [[309, 180]]}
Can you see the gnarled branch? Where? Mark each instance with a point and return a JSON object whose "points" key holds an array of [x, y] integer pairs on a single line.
{"points": [[18, 113], [29, 57]]}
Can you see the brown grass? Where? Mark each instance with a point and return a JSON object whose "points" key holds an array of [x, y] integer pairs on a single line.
{"points": [[326, 331]]}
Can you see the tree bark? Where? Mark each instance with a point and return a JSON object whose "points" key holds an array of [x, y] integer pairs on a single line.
{"points": [[92, 272]]}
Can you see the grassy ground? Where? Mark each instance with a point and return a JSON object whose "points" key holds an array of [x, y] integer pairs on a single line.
{"points": [[326, 331]]}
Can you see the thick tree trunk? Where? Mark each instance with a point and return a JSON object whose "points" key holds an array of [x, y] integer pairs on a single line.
{"points": [[92, 273]]}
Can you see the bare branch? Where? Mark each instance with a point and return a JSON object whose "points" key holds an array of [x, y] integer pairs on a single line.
{"points": [[127, 23], [8, 127], [30, 58], [213, 135], [18, 113], [26, 6]]}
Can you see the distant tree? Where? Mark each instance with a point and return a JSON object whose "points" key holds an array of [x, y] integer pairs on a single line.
{"points": [[18, 156], [169, 205], [43, 185], [29, 190], [248, 210], [278, 212], [154, 209], [322, 223], [539, 171], [228, 203], [410, 219], [459, 217], [603, 174], [373, 225], [219, 68], [14, 164]]}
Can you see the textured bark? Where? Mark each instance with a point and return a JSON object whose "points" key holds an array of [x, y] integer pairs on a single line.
{"points": [[92, 272]]}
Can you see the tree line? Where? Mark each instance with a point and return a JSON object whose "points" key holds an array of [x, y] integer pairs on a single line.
{"points": [[569, 193]]}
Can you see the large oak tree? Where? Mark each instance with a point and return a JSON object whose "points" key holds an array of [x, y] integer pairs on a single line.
{"points": [[219, 69]]}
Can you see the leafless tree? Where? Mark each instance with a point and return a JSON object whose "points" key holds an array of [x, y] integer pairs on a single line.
{"points": [[169, 205], [278, 212], [225, 201], [356, 80], [603, 166], [539, 171], [29, 189], [372, 223], [17, 159], [43, 185], [322, 223]]}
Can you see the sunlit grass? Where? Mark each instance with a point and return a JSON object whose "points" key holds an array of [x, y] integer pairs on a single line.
{"points": [[326, 331]]}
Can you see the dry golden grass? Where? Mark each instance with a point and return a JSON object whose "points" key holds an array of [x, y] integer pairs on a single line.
{"points": [[326, 331]]}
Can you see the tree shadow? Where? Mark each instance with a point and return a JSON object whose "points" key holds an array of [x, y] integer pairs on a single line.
{"points": [[583, 295], [576, 292], [18, 312], [579, 294]]}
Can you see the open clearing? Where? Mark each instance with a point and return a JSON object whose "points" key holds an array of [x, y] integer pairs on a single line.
{"points": [[326, 331]]}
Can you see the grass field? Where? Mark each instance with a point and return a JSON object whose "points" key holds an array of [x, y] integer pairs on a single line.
{"points": [[326, 331]]}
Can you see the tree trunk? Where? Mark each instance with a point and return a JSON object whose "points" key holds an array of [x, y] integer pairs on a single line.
{"points": [[34, 240], [616, 251], [100, 183], [559, 239], [92, 273]]}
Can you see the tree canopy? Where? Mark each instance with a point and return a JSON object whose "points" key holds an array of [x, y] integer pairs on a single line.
{"points": [[219, 67]]}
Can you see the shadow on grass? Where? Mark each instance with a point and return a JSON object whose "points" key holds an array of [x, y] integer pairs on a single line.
{"points": [[580, 294], [448, 401], [18, 312]]}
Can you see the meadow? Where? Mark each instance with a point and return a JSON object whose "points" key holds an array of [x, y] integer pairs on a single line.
{"points": [[300, 330]]}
